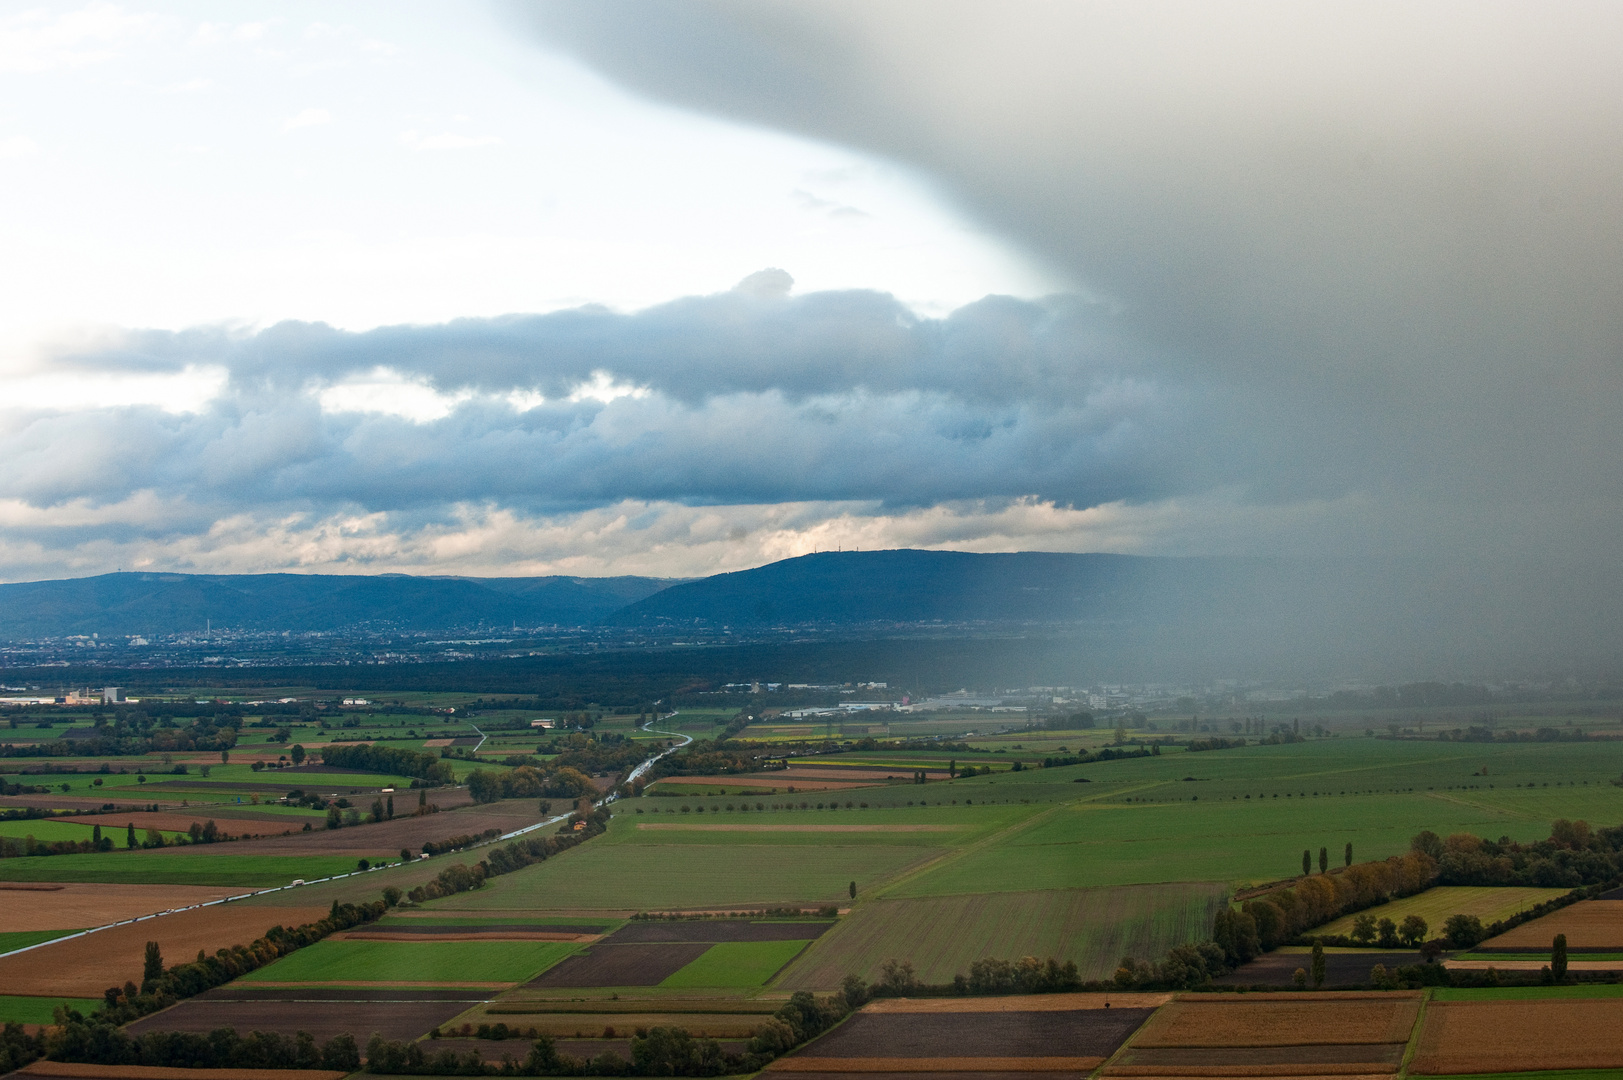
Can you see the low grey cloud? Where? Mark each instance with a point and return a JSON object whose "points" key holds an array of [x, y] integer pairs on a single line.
{"points": [[1376, 243]]}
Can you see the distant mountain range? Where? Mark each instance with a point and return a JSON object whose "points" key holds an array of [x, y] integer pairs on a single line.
{"points": [[831, 589], [115, 605], [1432, 616]]}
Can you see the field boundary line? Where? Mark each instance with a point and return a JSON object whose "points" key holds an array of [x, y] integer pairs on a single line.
{"points": [[958, 853], [1498, 811], [1412, 1047]]}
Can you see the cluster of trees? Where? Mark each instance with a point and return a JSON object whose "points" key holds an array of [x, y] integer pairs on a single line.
{"points": [[1028, 975], [389, 759], [1482, 733], [1282, 915], [457, 843], [1109, 753], [1214, 743], [133, 732], [7, 788], [206, 833], [528, 782], [222, 1048], [18, 1047], [1574, 855], [1183, 967]]}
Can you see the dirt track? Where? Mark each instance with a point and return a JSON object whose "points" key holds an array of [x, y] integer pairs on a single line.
{"points": [[85, 966], [73, 906]]}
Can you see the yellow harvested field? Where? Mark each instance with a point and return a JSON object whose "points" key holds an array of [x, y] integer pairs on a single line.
{"points": [[1019, 1003], [1588, 924], [71, 906], [1519, 1036], [1240, 1020], [1437, 904]]}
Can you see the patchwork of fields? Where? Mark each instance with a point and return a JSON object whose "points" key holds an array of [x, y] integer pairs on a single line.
{"points": [[1082, 863]]}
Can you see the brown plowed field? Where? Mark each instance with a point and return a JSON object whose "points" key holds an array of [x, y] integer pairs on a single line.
{"points": [[620, 965], [1283, 1020], [322, 1019], [85, 966], [937, 1064], [1588, 924], [1519, 1036], [455, 935], [1247, 1072], [698, 827], [1085, 1033], [1019, 1003], [72, 906], [404, 831], [714, 930], [700, 1025], [61, 1070], [1367, 1057], [1079, 1074]]}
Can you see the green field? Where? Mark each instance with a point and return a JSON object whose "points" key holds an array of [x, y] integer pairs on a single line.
{"points": [[942, 936], [415, 962], [738, 965], [21, 939], [1527, 993], [39, 1010], [1435, 905], [170, 867], [636, 877], [76, 829]]}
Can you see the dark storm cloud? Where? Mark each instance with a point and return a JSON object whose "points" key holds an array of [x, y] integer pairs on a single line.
{"points": [[1392, 231]]}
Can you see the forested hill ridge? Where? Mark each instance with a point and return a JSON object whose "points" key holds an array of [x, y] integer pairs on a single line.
{"points": [[1409, 619], [113, 605], [830, 589]]}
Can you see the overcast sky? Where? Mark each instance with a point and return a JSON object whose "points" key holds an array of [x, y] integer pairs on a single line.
{"points": [[630, 287]]}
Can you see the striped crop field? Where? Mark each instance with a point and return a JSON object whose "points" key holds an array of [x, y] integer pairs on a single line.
{"points": [[1488, 903], [942, 936]]}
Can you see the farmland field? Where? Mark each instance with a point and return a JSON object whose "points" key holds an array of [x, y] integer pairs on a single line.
{"points": [[414, 962], [638, 877], [942, 936], [38, 1010], [85, 966], [1588, 924], [735, 964], [1223, 1020], [1527, 993], [1437, 904], [1489, 1036], [185, 867], [21, 939]]}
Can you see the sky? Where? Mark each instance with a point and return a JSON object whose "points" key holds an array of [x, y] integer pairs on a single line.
{"points": [[672, 289]]}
